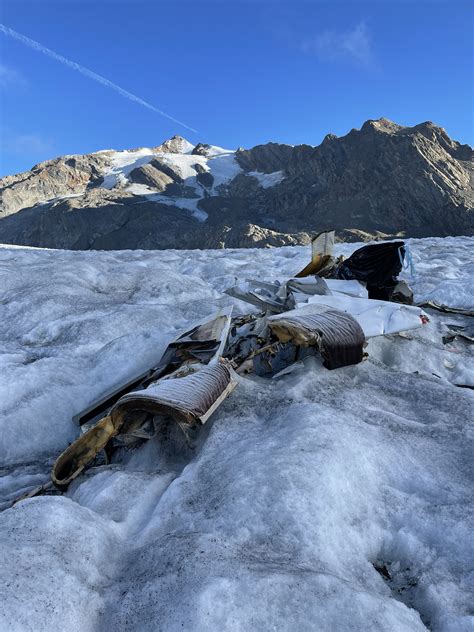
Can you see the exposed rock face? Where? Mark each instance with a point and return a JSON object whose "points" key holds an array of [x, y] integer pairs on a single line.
{"points": [[383, 178], [201, 149], [104, 220], [244, 235], [151, 176], [381, 181], [270, 157], [68, 175], [204, 178]]}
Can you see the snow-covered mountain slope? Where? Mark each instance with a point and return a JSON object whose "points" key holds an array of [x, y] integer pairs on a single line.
{"points": [[298, 487], [181, 168], [382, 180]]}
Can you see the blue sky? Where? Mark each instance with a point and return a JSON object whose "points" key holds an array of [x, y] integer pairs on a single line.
{"points": [[240, 73]]}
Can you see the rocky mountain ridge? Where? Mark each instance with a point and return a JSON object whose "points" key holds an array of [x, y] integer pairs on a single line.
{"points": [[384, 180]]}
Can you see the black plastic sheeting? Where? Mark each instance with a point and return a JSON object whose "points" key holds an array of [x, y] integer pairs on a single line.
{"points": [[378, 265]]}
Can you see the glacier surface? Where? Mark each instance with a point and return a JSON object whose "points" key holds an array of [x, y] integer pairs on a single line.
{"points": [[299, 489]]}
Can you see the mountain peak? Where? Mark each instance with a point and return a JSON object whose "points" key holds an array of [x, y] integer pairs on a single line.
{"points": [[175, 145], [384, 125]]}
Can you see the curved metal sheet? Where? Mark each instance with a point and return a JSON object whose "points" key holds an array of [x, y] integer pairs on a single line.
{"points": [[338, 335]]}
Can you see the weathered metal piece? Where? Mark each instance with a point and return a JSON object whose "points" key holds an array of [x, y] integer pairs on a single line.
{"points": [[466, 332], [39, 490], [312, 286], [190, 399], [74, 459], [265, 298], [402, 293], [99, 407], [278, 297], [46, 488], [321, 253], [446, 308], [337, 335], [247, 334]]}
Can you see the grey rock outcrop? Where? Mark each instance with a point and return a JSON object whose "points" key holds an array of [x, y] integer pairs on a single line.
{"points": [[69, 175], [384, 178], [201, 149], [151, 176]]}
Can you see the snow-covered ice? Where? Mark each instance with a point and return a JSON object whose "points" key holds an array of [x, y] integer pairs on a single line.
{"points": [[122, 163], [267, 180], [296, 489], [224, 168]]}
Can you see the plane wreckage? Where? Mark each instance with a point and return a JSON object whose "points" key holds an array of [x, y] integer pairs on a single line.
{"points": [[328, 309]]}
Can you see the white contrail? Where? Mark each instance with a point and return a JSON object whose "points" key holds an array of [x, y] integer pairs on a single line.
{"points": [[87, 73]]}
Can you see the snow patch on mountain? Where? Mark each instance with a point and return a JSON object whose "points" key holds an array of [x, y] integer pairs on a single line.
{"points": [[267, 180], [214, 150], [186, 147], [122, 163], [224, 168], [219, 162], [190, 204], [185, 165]]}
